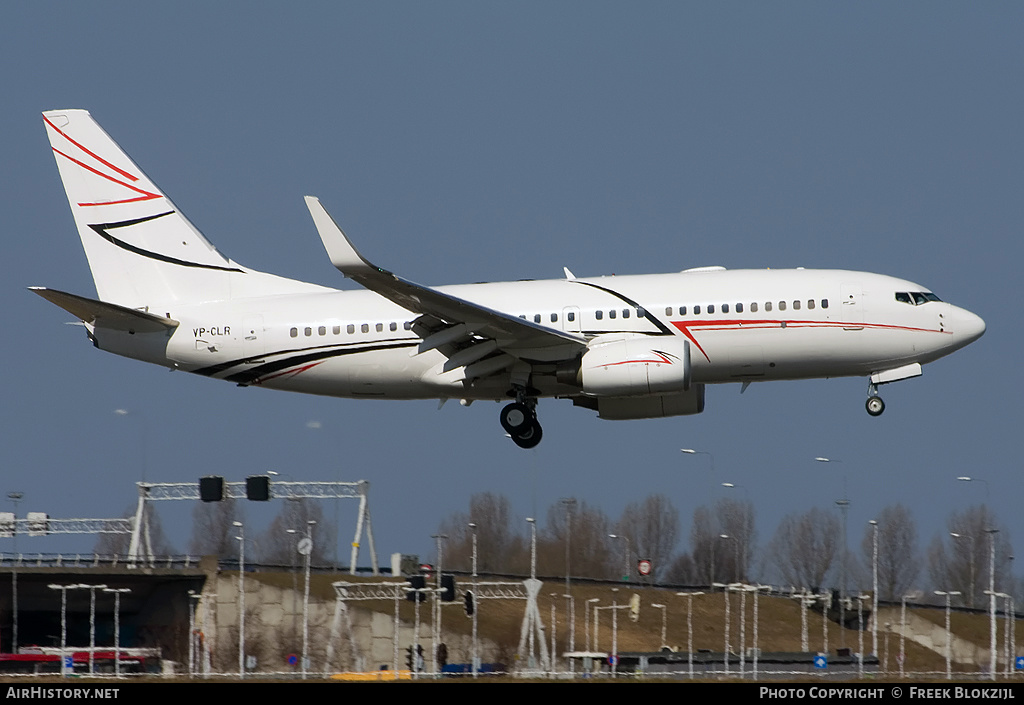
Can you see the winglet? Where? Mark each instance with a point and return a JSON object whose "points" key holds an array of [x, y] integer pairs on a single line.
{"points": [[569, 275], [343, 255]]}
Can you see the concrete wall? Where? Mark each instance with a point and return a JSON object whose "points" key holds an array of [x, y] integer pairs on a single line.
{"points": [[359, 640]]}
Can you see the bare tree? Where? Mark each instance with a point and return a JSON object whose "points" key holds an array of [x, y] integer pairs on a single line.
{"points": [[213, 533], [712, 557], [501, 547], [961, 559], [652, 527], [278, 544], [899, 562], [588, 542], [805, 547]]}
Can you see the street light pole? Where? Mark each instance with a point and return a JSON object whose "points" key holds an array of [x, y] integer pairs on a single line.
{"points": [[307, 548], [992, 599], [949, 634], [625, 556], [476, 653], [241, 597], [874, 587]]}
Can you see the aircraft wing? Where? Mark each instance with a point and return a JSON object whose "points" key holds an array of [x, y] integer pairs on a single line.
{"points": [[514, 336]]}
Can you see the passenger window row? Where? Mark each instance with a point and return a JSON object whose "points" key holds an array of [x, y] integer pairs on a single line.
{"points": [[710, 309], [350, 329]]}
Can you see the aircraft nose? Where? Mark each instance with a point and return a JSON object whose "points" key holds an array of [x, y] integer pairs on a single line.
{"points": [[969, 326]]}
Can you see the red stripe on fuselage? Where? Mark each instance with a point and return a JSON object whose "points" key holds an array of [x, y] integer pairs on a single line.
{"points": [[738, 324]]}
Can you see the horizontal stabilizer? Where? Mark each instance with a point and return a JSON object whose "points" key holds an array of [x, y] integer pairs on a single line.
{"points": [[106, 315]]}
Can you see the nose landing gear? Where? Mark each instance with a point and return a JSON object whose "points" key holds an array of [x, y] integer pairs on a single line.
{"points": [[519, 419]]}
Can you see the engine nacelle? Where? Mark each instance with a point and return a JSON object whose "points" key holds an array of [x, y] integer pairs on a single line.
{"points": [[636, 366]]}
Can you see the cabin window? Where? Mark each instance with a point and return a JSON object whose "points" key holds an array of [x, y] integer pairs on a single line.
{"points": [[554, 318], [810, 303], [696, 310], [767, 305], [308, 331], [782, 305], [625, 313], [725, 308], [336, 330], [571, 316], [641, 313], [379, 327], [365, 328], [393, 326], [322, 330], [599, 315], [612, 313], [294, 332], [739, 308], [350, 329], [796, 305], [536, 318], [753, 307], [668, 311], [824, 303], [711, 308], [407, 325], [682, 310]]}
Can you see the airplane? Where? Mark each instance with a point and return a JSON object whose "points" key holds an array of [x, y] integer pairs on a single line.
{"points": [[627, 347]]}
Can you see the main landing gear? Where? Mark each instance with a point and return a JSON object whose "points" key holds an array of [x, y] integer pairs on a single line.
{"points": [[874, 404], [519, 419]]}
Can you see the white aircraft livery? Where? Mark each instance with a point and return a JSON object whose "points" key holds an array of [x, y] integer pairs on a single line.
{"points": [[627, 347]]}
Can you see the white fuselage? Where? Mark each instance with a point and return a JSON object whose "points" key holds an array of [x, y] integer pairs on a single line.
{"points": [[742, 325]]}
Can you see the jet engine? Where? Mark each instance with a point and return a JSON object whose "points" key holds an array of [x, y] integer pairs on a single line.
{"points": [[635, 366]]}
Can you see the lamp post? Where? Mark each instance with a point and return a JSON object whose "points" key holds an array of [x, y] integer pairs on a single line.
{"points": [[625, 556], [92, 622], [992, 599], [586, 620], [435, 606], [949, 634], [572, 629], [306, 548], [725, 650], [844, 506], [241, 597], [63, 623], [117, 626], [689, 627], [570, 505], [970, 547], [711, 460], [476, 653], [874, 587], [15, 498], [741, 568]]}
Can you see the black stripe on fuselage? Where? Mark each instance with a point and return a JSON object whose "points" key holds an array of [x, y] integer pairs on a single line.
{"points": [[294, 358], [664, 329], [102, 228]]}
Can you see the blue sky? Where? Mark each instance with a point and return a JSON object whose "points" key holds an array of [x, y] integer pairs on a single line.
{"points": [[460, 142]]}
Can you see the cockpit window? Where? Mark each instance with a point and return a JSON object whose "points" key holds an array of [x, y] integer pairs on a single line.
{"points": [[916, 298]]}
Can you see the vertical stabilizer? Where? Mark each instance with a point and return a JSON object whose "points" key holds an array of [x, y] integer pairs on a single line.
{"points": [[141, 249]]}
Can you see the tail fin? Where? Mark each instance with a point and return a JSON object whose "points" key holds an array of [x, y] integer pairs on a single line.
{"points": [[141, 249]]}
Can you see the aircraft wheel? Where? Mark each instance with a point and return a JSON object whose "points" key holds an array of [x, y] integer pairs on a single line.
{"points": [[530, 437], [875, 406], [516, 418]]}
